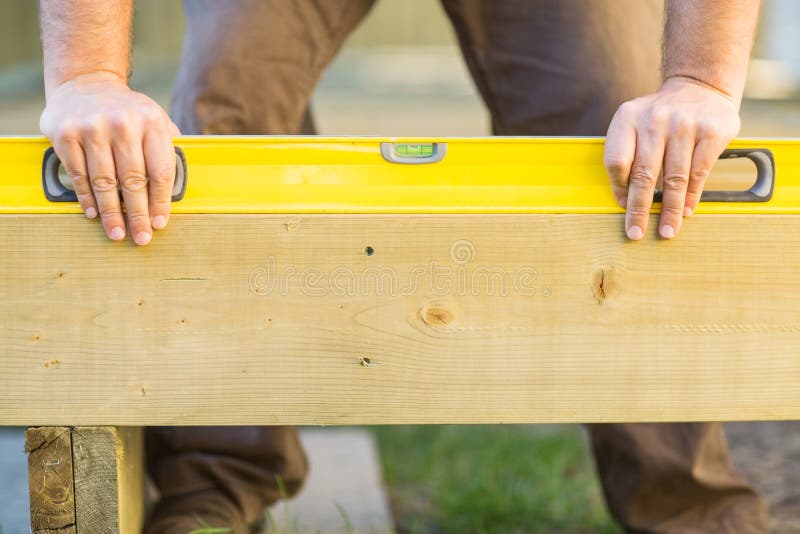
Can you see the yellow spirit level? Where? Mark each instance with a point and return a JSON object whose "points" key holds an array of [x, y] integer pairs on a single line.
{"points": [[398, 175]]}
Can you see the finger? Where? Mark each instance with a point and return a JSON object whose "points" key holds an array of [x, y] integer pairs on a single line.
{"points": [[619, 151], [677, 164], [70, 152], [160, 160], [103, 180], [706, 153], [174, 130], [642, 183], [132, 177]]}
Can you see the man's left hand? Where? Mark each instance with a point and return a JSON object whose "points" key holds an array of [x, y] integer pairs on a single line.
{"points": [[682, 128]]}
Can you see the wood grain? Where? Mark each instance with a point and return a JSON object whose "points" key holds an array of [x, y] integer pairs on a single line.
{"points": [[50, 482], [109, 467], [269, 319]]}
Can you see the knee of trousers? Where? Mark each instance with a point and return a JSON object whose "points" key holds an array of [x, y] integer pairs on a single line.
{"points": [[250, 66], [247, 67], [573, 104], [235, 97]]}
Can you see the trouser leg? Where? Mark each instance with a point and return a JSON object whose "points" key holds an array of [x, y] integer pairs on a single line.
{"points": [[562, 67], [248, 67], [674, 477], [253, 466], [558, 67]]}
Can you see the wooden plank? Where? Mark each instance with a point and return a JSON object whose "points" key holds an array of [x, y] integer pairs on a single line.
{"points": [[50, 480], [269, 319], [109, 467]]}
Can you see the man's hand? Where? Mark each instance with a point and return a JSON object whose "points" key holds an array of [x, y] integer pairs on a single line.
{"points": [[683, 128], [110, 139]]}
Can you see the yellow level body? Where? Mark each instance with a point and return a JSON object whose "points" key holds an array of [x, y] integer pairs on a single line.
{"points": [[266, 174]]}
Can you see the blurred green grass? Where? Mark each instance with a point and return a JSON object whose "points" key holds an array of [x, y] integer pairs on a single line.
{"points": [[487, 479]]}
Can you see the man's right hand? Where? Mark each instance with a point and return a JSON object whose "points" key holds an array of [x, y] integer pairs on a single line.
{"points": [[109, 139]]}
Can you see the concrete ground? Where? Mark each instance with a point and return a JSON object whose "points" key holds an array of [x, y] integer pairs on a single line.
{"points": [[344, 492]]}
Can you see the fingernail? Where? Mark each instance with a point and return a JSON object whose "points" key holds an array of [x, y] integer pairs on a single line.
{"points": [[667, 232], [91, 213], [117, 233], [687, 211], [159, 222], [142, 238], [635, 233]]}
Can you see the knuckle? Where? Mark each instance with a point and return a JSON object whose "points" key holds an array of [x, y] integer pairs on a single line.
{"points": [[628, 106], [699, 175], [67, 132], [103, 182], [133, 182], [153, 115], [138, 218], [643, 177], [655, 128], [671, 212], [163, 175], [92, 127], [110, 212], [627, 109], [617, 166], [659, 116], [119, 119], [709, 129], [683, 123], [79, 180], [676, 180], [639, 212], [123, 122], [89, 129]]}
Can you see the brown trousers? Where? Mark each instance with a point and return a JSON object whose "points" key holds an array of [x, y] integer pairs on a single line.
{"points": [[543, 67]]}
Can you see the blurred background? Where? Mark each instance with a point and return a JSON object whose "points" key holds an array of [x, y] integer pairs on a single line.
{"points": [[396, 57], [402, 74]]}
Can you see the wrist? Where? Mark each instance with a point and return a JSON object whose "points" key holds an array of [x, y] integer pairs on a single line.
{"points": [[678, 80], [85, 78]]}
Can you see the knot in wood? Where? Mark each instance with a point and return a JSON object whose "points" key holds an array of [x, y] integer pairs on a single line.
{"points": [[605, 284], [436, 315]]}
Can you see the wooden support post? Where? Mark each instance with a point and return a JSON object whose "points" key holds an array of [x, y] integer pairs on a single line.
{"points": [[50, 479], [85, 479]]}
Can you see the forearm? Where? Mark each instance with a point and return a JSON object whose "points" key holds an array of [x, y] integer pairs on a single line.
{"points": [[85, 36], [710, 42]]}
